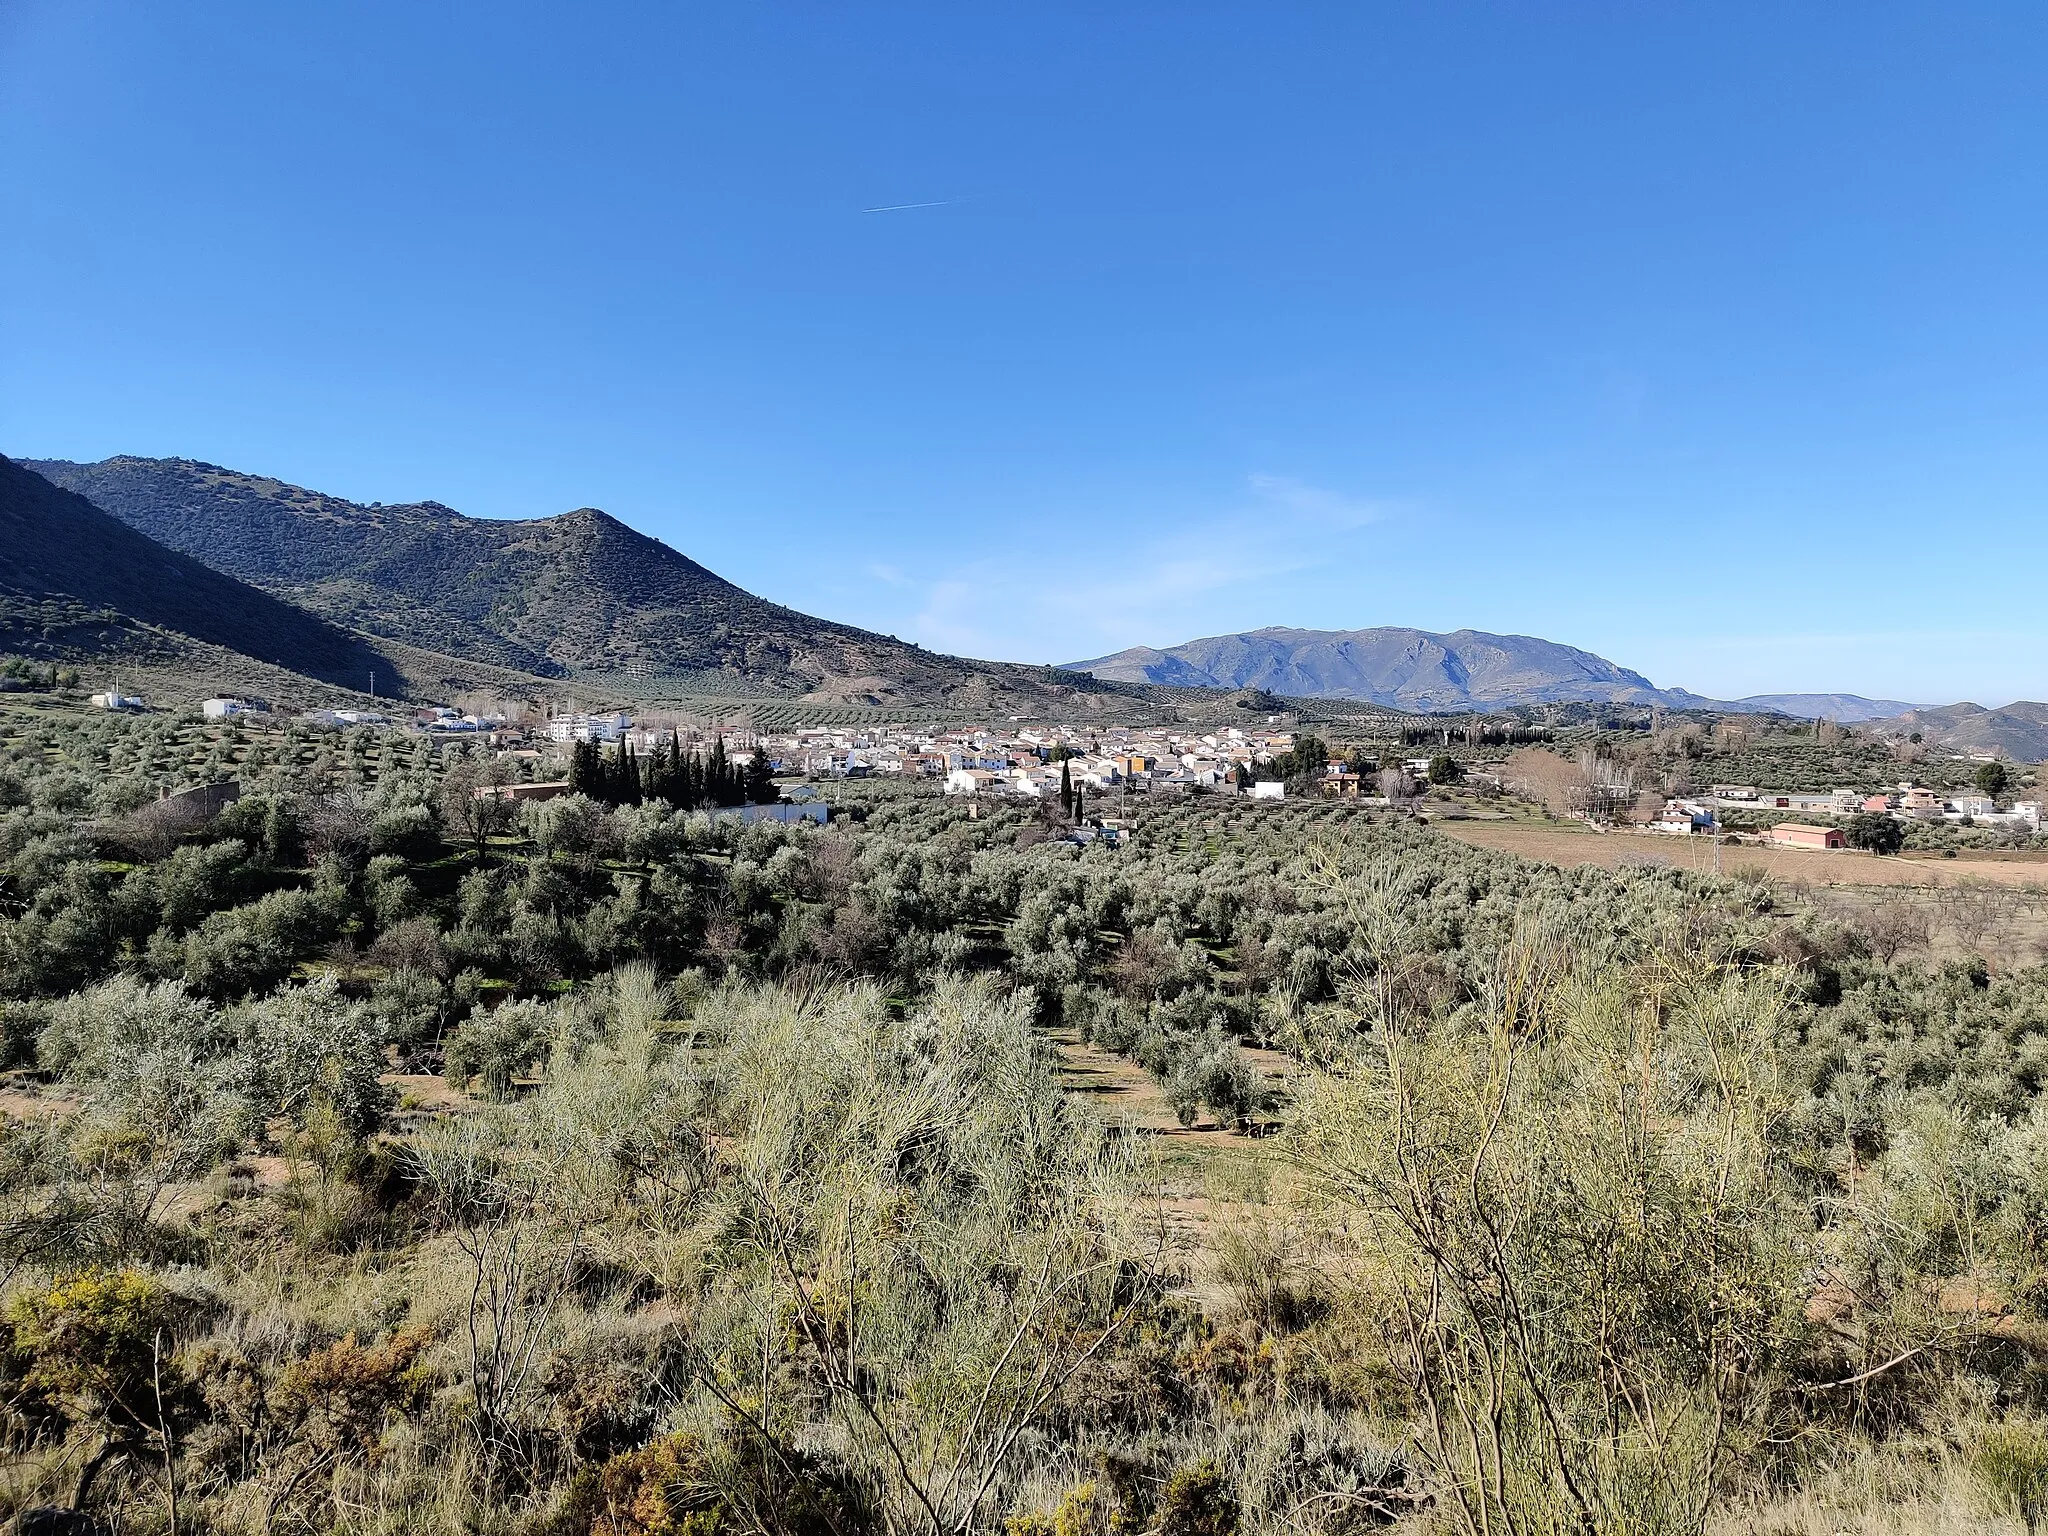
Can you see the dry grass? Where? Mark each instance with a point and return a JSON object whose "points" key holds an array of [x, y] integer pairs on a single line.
{"points": [[1567, 844]]}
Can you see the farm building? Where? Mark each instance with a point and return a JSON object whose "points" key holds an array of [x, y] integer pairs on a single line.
{"points": [[547, 789], [1795, 834]]}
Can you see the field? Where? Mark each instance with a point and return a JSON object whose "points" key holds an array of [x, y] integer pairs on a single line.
{"points": [[1566, 844]]}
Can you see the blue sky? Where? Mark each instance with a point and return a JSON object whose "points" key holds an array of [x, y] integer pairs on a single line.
{"points": [[1713, 338]]}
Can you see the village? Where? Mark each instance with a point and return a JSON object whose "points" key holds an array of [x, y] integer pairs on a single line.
{"points": [[1096, 769]]}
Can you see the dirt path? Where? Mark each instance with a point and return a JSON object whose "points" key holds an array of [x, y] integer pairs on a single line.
{"points": [[1201, 1169]]}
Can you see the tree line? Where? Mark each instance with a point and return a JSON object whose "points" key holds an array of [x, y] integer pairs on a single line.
{"points": [[670, 774]]}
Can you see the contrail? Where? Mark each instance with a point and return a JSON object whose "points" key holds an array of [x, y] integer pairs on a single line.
{"points": [[899, 207]]}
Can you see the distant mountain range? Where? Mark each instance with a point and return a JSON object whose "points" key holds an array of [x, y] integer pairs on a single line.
{"points": [[232, 579], [1413, 669], [2020, 731], [575, 600], [1842, 708]]}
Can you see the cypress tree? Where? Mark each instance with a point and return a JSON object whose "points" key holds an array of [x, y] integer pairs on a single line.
{"points": [[673, 787], [761, 788], [1066, 788], [654, 773], [718, 785], [626, 787]]}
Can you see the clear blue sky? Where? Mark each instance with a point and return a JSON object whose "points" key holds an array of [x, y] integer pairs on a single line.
{"points": [[1712, 337]]}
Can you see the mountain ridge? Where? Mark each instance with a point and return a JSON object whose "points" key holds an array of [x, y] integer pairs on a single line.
{"points": [[74, 576], [581, 597], [1405, 668], [2018, 730], [1392, 666]]}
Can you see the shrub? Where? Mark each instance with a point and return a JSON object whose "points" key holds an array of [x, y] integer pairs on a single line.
{"points": [[2010, 1467], [495, 1046], [93, 1353], [1197, 1501]]}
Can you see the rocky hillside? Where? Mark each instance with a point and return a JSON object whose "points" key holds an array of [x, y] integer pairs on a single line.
{"points": [[75, 582], [578, 597], [2018, 731]]}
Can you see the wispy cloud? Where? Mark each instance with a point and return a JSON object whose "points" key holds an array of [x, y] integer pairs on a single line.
{"points": [[1312, 502], [1167, 581]]}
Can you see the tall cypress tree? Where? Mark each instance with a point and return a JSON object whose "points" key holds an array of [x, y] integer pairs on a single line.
{"points": [[717, 776], [626, 788], [672, 785], [761, 788], [1066, 788], [654, 773]]}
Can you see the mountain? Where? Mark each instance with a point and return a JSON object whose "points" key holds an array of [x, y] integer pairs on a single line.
{"points": [[2019, 731], [1396, 668], [77, 582], [580, 597], [1842, 708], [1415, 669]]}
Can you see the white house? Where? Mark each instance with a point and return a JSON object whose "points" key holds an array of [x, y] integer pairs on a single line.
{"points": [[606, 728], [1269, 789], [221, 709]]}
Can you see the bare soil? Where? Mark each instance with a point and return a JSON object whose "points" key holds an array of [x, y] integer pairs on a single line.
{"points": [[1566, 843], [1200, 1170]]}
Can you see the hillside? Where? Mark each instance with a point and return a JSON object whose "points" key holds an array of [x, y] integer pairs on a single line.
{"points": [[576, 597], [2019, 731], [1842, 708], [1397, 668], [77, 582]]}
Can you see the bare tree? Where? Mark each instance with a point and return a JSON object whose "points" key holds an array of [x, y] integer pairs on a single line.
{"points": [[474, 802], [1895, 922]]}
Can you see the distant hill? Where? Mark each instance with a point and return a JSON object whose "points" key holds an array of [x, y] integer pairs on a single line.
{"points": [[1397, 668], [576, 597], [2019, 731], [1416, 669], [1842, 708]]}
